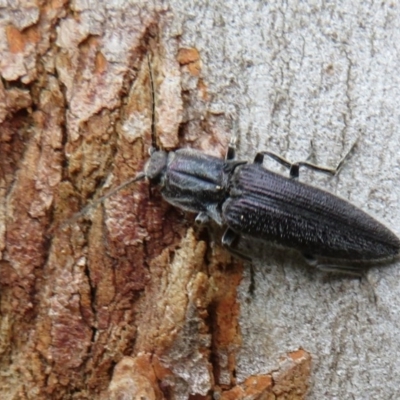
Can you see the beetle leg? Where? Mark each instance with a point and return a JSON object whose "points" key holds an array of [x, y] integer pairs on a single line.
{"points": [[294, 168], [231, 152], [259, 158], [202, 218], [229, 238], [336, 268], [341, 269], [229, 241], [310, 260]]}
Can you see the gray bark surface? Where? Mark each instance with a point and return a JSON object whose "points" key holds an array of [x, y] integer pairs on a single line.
{"points": [[312, 78]]}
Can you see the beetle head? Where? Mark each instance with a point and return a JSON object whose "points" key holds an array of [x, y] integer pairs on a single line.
{"points": [[156, 165]]}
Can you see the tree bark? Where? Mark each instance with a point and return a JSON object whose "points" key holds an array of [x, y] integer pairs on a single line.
{"points": [[129, 299]]}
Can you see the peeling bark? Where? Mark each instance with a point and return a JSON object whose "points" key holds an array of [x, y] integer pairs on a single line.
{"points": [[128, 301]]}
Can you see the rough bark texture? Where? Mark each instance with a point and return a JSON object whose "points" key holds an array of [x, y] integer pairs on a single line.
{"points": [[128, 301]]}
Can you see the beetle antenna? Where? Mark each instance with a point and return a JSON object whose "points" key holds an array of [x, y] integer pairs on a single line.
{"points": [[154, 146], [95, 203]]}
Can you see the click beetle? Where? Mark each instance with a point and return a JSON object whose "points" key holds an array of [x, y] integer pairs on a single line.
{"points": [[254, 202]]}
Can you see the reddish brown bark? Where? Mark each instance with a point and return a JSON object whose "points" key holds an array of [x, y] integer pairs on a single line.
{"points": [[127, 301]]}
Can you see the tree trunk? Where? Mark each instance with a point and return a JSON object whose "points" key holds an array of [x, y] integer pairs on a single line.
{"points": [[129, 299]]}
